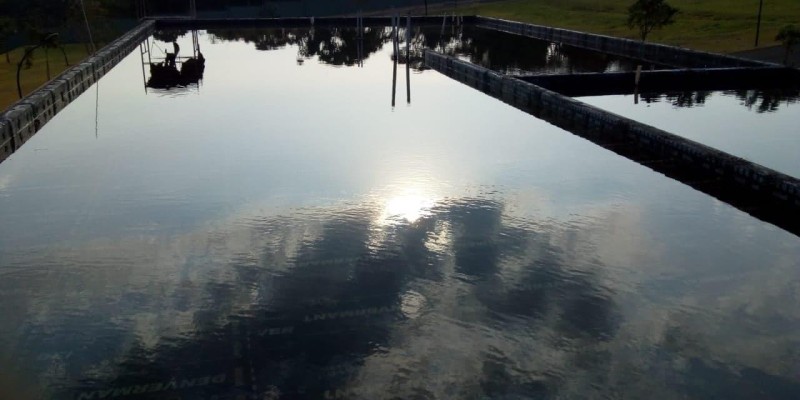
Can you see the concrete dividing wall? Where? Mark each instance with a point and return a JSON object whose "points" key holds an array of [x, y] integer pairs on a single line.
{"points": [[24, 118], [610, 83], [760, 191], [647, 52]]}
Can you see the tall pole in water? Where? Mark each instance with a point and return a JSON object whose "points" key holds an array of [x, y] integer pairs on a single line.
{"points": [[358, 38], [758, 24], [394, 50], [408, 59]]}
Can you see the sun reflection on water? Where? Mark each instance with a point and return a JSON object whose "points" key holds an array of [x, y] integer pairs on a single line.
{"points": [[406, 207]]}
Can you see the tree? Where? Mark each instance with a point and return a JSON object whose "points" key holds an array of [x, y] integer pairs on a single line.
{"points": [[647, 15], [789, 35]]}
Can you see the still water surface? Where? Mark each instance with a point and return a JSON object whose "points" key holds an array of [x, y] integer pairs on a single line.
{"points": [[757, 125], [281, 231]]}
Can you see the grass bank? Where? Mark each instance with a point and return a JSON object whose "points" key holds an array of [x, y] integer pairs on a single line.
{"points": [[713, 25], [36, 75]]}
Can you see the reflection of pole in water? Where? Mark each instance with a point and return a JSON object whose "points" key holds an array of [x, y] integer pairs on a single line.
{"points": [[397, 35], [144, 49], [408, 59], [360, 39], [196, 47], [195, 43], [394, 63], [97, 108], [636, 84]]}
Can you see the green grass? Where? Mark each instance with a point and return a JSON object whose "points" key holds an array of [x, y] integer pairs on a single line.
{"points": [[711, 25], [32, 78]]}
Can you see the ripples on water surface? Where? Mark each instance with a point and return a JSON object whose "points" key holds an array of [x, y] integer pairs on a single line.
{"points": [[282, 232]]}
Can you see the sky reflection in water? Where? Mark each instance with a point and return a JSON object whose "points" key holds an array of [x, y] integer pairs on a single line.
{"points": [[282, 232], [757, 125]]}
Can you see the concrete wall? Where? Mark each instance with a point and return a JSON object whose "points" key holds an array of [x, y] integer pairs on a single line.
{"points": [[610, 83], [24, 118], [760, 191], [649, 52]]}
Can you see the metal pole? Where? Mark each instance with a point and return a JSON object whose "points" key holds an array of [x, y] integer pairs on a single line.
{"points": [[758, 24], [396, 36], [408, 59], [360, 38], [88, 28], [394, 64], [144, 77]]}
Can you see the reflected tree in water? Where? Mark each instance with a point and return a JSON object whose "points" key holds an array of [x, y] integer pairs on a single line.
{"points": [[760, 101], [495, 50], [678, 99], [766, 100], [515, 54], [169, 35], [334, 46]]}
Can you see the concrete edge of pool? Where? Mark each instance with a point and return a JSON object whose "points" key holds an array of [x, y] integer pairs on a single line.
{"points": [[764, 193]]}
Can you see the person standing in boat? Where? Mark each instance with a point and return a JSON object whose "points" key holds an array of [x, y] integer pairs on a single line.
{"points": [[171, 57]]}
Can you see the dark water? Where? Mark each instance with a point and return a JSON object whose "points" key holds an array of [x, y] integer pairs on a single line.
{"points": [[758, 125], [281, 231]]}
